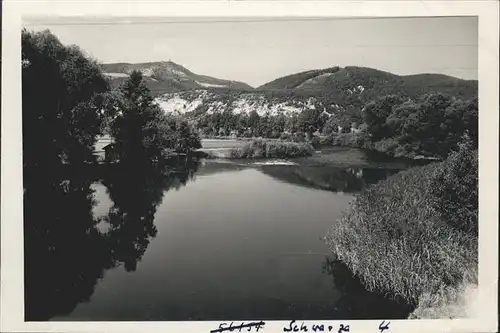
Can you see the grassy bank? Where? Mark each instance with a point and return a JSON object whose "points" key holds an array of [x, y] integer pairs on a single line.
{"points": [[413, 236], [261, 148]]}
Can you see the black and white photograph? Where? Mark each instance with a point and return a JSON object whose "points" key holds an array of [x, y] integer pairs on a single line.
{"points": [[250, 169]]}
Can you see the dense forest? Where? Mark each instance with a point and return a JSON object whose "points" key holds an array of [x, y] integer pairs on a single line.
{"points": [[415, 115], [429, 125]]}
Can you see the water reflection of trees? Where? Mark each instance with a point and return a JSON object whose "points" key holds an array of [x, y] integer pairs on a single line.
{"points": [[65, 252], [355, 301], [136, 193], [328, 178]]}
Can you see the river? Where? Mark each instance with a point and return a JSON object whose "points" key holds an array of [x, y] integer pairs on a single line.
{"points": [[212, 240]]}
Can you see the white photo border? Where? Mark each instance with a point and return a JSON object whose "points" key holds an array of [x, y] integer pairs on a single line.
{"points": [[12, 268]]}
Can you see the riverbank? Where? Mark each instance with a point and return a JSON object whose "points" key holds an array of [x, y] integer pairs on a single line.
{"points": [[388, 147], [338, 140], [413, 236]]}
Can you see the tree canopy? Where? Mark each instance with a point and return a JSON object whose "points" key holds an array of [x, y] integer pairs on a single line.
{"points": [[141, 129], [61, 111], [431, 125]]}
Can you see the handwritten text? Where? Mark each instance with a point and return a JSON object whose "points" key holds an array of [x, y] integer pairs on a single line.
{"points": [[293, 327], [232, 327]]}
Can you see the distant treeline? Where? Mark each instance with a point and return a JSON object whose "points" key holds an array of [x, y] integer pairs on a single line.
{"points": [[429, 125]]}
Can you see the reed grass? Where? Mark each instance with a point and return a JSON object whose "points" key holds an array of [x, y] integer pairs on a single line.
{"points": [[261, 148], [397, 241]]}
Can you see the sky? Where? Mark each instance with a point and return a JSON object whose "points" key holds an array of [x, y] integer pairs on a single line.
{"points": [[257, 51]]}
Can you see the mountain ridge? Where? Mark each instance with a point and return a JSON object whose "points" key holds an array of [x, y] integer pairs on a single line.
{"points": [[332, 90], [349, 77], [168, 76]]}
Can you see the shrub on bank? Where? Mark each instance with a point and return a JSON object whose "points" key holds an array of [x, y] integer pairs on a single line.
{"points": [[260, 148], [386, 146], [325, 140], [454, 188], [398, 241], [352, 139]]}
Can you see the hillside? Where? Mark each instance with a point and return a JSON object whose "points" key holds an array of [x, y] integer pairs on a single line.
{"points": [[367, 83], [329, 90], [292, 81], [238, 102], [167, 76]]}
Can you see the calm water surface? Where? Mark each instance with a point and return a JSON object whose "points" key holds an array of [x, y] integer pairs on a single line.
{"points": [[212, 240]]}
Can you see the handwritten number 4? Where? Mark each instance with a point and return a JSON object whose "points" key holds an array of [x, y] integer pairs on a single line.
{"points": [[383, 327]]}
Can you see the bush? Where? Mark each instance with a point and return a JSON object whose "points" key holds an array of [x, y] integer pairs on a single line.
{"points": [[315, 141], [298, 137], [394, 241], [285, 136], [355, 140], [387, 146], [260, 148], [454, 188], [325, 140]]}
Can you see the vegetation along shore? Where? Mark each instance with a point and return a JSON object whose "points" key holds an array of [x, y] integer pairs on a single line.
{"points": [[413, 236], [260, 148]]}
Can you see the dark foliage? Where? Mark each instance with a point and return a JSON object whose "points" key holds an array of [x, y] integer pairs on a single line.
{"points": [[61, 104], [65, 254], [271, 149], [142, 131], [430, 126], [454, 188], [375, 115], [136, 192]]}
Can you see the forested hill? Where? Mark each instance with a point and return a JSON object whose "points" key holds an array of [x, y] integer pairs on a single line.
{"points": [[167, 76], [339, 101], [331, 90], [367, 83]]}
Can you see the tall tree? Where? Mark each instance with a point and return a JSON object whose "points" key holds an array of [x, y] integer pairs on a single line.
{"points": [[431, 116], [253, 119], [375, 115], [460, 117], [61, 111], [142, 131], [331, 126], [310, 120]]}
